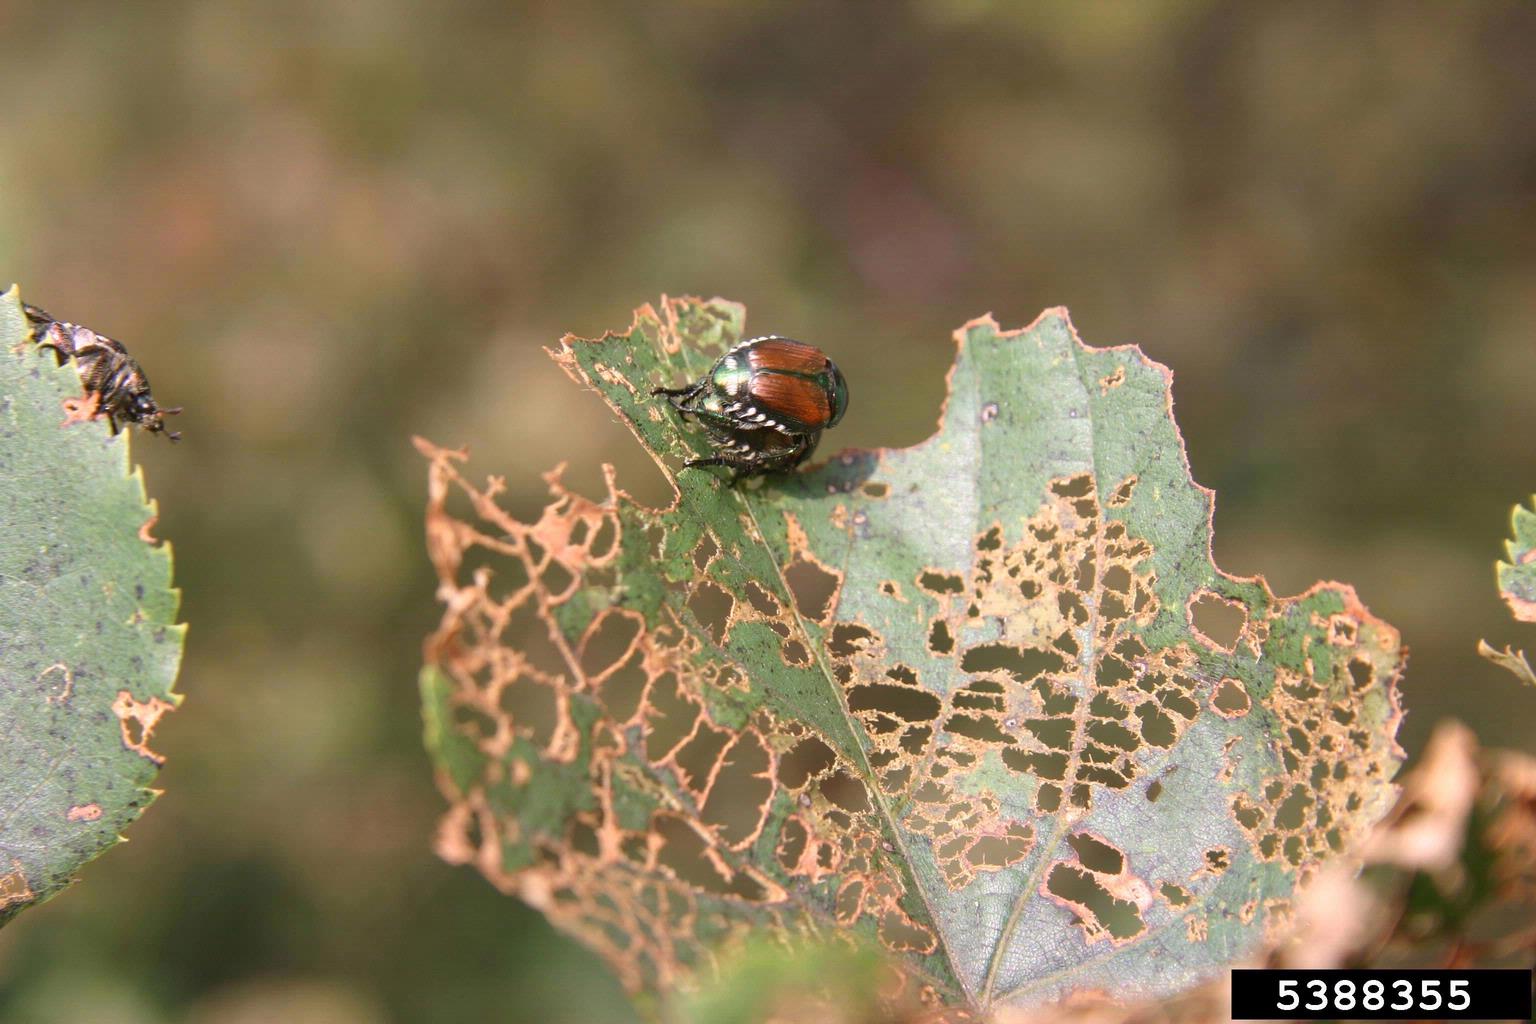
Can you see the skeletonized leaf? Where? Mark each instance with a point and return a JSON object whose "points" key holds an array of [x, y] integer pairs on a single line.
{"points": [[89, 647], [985, 702]]}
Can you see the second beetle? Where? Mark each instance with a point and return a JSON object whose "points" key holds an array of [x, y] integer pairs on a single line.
{"points": [[763, 405]]}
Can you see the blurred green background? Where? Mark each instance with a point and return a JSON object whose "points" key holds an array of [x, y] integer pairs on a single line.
{"points": [[323, 228]]}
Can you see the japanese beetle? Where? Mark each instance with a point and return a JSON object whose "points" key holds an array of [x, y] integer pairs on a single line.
{"points": [[763, 405], [106, 370]]}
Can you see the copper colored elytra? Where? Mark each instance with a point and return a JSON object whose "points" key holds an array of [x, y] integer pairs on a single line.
{"points": [[107, 372], [763, 405]]}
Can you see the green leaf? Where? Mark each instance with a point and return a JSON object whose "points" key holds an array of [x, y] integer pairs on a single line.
{"points": [[984, 703], [89, 647], [825, 982], [1517, 577]]}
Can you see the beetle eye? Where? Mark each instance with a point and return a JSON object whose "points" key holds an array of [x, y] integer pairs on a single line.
{"points": [[839, 394]]}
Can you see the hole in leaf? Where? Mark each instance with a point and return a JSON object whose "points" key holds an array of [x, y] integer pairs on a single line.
{"points": [[1096, 855], [850, 901], [1105, 706], [1230, 699], [534, 709], [687, 854], [738, 801], [1218, 620], [1176, 895], [603, 540], [557, 579], [530, 636], [1156, 727], [466, 717], [907, 702], [808, 758], [1122, 494], [977, 727], [1046, 766], [622, 691], [845, 791], [711, 606], [1112, 673], [1079, 486], [763, 602], [903, 935], [606, 641], [1120, 918], [707, 549], [1055, 733], [1113, 734], [847, 639], [915, 740], [1362, 672], [936, 582], [669, 717], [939, 639], [792, 840], [1024, 664], [812, 588], [697, 758], [1293, 812]]}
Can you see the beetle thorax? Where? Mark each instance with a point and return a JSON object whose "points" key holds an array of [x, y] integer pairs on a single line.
{"points": [[732, 377]]}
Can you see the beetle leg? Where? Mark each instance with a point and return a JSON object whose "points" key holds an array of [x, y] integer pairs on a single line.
{"points": [[678, 398], [686, 392], [713, 460]]}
